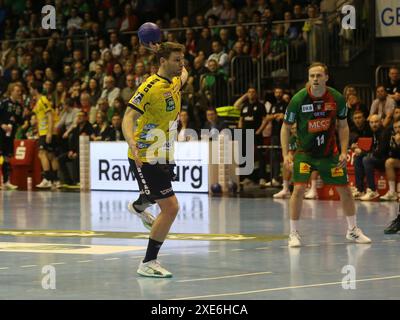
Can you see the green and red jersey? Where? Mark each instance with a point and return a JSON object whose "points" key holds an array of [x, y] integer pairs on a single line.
{"points": [[316, 121]]}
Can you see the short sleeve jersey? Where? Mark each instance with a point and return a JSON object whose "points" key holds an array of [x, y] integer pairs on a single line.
{"points": [[253, 115], [316, 121], [159, 101], [42, 107]]}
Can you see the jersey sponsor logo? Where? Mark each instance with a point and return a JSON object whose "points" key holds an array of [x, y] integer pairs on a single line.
{"points": [[245, 109], [319, 125], [330, 106], [166, 191], [137, 99], [149, 126], [248, 118], [290, 116], [142, 145], [170, 104], [337, 172], [318, 104], [320, 114], [305, 168], [307, 108]]}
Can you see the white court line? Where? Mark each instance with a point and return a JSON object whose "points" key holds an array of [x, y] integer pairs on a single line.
{"points": [[389, 240], [29, 266], [238, 249], [109, 259], [262, 248], [312, 245], [84, 261], [56, 263], [226, 277], [283, 288], [213, 251], [4, 268]]}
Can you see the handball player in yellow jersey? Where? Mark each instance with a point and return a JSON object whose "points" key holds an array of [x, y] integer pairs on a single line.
{"points": [[150, 129]]}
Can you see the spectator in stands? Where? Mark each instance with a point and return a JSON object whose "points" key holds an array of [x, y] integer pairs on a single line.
{"points": [[67, 118], [359, 129], [279, 42], [253, 117], [130, 88], [119, 75], [111, 92], [82, 128], [74, 23], [140, 73], [115, 132], [204, 42], [220, 56], [94, 92], [190, 43], [112, 21], [248, 9], [81, 74], [185, 129], [393, 162], [354, 104], [383, 106], [115, 45], [213, 125], [237, 51], [261, 42], [215, 10], [292, 30], [392, 86], [129, 21], [101, 129], [10, 118], [365, 164], [214, 84], [225, 40], [118, 107], [228, 14], [261, 6], [95, 56]]}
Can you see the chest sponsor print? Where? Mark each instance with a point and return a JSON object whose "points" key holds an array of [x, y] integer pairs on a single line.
{"points": [[307, 108], [319, 125]]}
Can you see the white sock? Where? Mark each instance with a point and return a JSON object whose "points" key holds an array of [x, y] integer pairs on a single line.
{"points": [[285, 185], [392, 186], [293, 225], [351, 222], [314, 185]]}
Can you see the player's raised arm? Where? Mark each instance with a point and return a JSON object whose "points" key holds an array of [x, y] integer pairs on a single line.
{"points": [[184, 76]]}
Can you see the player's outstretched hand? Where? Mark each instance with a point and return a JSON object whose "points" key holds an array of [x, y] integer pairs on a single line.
{"points": [[153, 47], [342, 160]]}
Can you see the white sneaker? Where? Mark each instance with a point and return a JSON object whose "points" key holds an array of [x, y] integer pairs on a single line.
{"points": [[9, 186], [311, 194], [45, 184], [273, 183], [294, 240], [357, 194], [356, 235], [153, 269], [56, 185], [369, 195], [146, 217], [284, 193], [246, 182], [389, 196]]}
